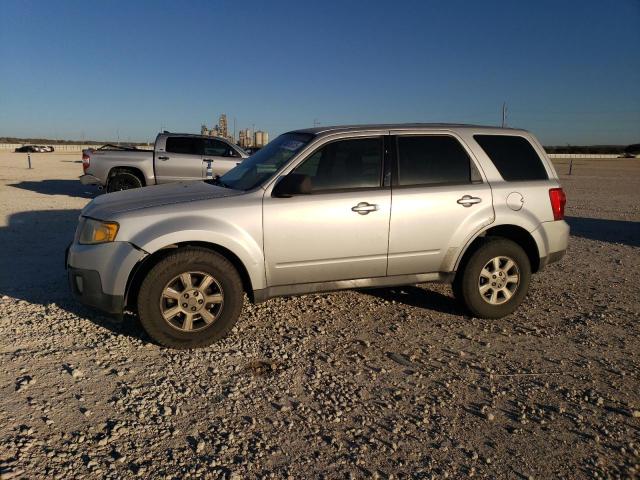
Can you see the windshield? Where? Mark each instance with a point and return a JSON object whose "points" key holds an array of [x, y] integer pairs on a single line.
{"points": [[256, 169]]}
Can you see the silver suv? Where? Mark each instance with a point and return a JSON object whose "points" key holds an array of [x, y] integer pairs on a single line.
{"points": [[326, 209]]}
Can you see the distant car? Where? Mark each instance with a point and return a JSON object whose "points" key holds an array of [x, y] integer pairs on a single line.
{"points": [[27, 149], [48, 148], [252, 150]]}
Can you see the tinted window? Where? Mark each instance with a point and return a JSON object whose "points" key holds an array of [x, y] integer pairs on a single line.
{"points": [[345, 164], [432, 160], [513, 156], [217, 148], [188, 145]]}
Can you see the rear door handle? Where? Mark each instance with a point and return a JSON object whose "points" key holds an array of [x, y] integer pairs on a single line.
{"points": [[163, 158], [468, 200], [363, 208]]}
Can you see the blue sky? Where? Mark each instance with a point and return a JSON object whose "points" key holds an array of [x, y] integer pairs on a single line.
{"points": [[568, 70]]}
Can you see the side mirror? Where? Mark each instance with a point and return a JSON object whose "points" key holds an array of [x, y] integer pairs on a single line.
{"points": [[292, 184]]}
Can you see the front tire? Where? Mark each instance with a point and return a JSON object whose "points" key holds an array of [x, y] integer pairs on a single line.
{"points": [[494, 280], [191, 298]]}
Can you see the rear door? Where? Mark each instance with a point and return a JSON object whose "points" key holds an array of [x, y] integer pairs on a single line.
{"points": [[221, 155], [180, 159], [439, 200]]}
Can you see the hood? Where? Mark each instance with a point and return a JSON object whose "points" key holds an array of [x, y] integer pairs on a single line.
{"points": [[110, 204]]}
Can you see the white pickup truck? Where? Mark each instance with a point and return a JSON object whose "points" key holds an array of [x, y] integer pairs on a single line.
{"points": [[175, 157]]}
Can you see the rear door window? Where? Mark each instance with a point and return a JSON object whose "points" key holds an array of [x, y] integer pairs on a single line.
{"points": [[433, 160], [514, 157], [185, 145]]}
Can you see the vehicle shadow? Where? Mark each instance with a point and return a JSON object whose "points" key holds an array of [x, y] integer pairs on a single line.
{"points": [[417, 297], [71, 188], [614, 231], [32, 257]]}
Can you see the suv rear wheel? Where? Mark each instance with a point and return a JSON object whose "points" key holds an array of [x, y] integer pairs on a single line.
{"points": [[494, 280], [190, 299]]}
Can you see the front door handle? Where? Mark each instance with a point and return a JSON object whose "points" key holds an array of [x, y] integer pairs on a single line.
{"points": [[363, 208], [468, 200], [163, 158]]}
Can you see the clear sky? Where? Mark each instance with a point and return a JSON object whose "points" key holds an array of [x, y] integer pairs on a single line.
{"points": [[568, 70]]}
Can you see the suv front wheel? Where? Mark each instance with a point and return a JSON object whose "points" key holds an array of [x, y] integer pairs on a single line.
{"points": [[191, 298], [494, 280]]}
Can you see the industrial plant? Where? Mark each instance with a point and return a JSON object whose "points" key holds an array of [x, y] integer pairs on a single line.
{"points": [[247, 138]]}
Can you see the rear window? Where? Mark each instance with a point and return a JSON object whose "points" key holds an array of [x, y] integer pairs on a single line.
{"points": [[513, 156], [188, 145]]}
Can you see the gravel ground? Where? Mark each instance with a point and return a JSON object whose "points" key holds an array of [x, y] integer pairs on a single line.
{"points": [[393, 383]]}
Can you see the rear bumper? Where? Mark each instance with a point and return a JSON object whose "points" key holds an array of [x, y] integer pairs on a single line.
{"points": [[551, 258], [90, 180], [552, 239]]}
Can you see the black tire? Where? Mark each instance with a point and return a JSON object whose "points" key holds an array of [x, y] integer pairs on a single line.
{"points": [[466, 286], [123, 180], [190, 259]]}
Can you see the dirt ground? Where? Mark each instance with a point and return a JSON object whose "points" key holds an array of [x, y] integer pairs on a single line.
{"points": [[392, 383]]}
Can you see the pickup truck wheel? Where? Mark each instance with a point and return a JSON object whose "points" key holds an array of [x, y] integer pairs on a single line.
{"points": [[190, 299], [123, 181], [494, 280]]}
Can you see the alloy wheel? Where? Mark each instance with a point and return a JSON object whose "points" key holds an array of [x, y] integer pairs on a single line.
{"points": [[191, 301], [499, 279]]}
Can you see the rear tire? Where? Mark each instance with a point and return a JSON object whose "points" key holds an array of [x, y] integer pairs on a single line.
{"points": [[176, 308], [494, 280], [123, 180]]}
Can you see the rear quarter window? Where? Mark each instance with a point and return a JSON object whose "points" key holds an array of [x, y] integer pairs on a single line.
{"points": [[514, 157]]}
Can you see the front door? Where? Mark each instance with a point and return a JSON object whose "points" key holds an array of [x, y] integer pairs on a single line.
{"points": [[221, 156], [340, 230], [439, 201], [180, 160]]}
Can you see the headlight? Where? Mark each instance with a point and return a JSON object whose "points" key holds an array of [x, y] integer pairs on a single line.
{"points": [[96, 231]]}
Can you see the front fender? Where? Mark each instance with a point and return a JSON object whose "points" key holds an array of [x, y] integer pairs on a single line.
{"points": [[247, 246]]}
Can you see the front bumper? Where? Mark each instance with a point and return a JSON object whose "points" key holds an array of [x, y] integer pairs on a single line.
{"points": [[90, 180], [98, 274], [86, 287]]}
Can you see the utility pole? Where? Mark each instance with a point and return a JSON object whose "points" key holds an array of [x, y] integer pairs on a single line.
{"points": [[504, 114], [234, 129]]}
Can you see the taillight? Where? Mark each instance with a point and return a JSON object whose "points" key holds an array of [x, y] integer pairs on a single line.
{"points": [[86, 161], [558, 201]]}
